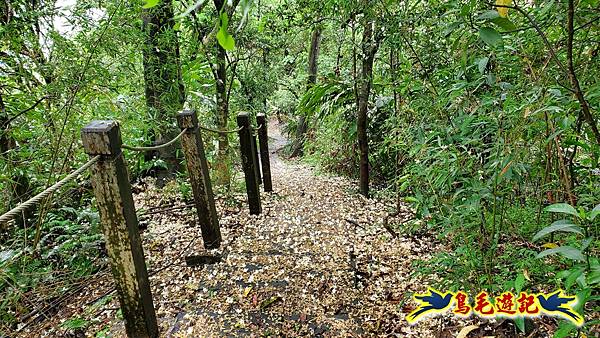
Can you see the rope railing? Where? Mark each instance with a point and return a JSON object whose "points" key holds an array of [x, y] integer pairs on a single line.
{"points": [[102, 142], [164, 145], [157, 147], [37, 198], [255, 130], [221, 131]]}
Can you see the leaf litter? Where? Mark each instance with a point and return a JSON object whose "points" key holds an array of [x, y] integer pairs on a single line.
{"points": [[316, 262]]}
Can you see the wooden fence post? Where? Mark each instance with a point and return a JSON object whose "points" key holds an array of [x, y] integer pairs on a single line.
{"points": [[195, 158], [248, 163], [256, 160], [265, 162], [120, 227]]}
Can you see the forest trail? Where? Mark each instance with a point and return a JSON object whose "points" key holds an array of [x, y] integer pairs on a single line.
{"points": [[316, 262]]}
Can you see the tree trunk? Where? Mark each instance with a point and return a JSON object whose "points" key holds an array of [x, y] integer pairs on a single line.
{"points": [[369, 48], [163, 84], [585, 108], [313, 58], [5, 141], [397, 103], [223, 164], [223, 175], [20, 185]]}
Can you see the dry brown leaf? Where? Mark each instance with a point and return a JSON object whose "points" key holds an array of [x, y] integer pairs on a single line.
{"points": [[464, 332]]}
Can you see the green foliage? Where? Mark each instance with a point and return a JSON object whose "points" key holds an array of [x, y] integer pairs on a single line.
{"points": [[71, 247], [75, 323], [469, 124], [490, 36], [63, 67], [471, 121], [150, 3], [586, 268], [225, 40]]}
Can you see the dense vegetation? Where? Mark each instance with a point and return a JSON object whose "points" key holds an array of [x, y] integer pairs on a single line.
{"points": [[483, 116]]}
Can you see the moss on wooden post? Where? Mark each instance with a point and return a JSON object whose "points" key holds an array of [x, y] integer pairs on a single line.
{"points": [[263, 140], [120, 227], [249, 164], [195, 157]]}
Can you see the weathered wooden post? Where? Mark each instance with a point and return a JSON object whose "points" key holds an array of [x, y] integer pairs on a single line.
{"points": [[256, 161], [120, 227], [248, 163], [195, 158], [265, 162]]}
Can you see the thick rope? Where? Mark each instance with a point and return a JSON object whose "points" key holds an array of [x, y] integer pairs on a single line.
{"points": [[222, 131], [37, 198], [160, 146], [255, 130]]}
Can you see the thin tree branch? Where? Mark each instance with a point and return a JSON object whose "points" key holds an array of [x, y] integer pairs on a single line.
{"points": [[26, 110], [420, 63], [587, 23], [540, 33]]}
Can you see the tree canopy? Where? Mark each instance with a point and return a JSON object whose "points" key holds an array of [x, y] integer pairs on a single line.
{"points": [[481, 116]]}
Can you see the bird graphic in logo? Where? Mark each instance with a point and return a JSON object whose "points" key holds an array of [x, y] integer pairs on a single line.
{"points": [[558, 304], [431, 302]]}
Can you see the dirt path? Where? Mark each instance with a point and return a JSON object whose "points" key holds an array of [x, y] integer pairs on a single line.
{"points": [[317, 262], [276, 143]]}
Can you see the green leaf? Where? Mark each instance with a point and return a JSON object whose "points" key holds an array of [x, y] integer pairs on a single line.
{"points": [[75, 323], [487, 15], [520, 323], [564, 329], [191, 9], [451, 28], [593, 278], [594, 213], [553, 135], [225, 40], [465, 10], [150, 3], [504, 23], [482, 64], [562, 208], [583, 297], [560, 225], [519, 282], [570, 280], [262, 23], [581, 281], [160, 164], [490, 36], [586, 242], [269, 301], [567, 251]]}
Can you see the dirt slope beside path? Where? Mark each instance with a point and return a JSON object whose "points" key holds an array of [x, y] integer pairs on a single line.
{"points": [[317, 262]]}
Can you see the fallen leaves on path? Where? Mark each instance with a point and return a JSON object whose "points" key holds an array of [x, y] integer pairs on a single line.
{"points": [[317, 262]]}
